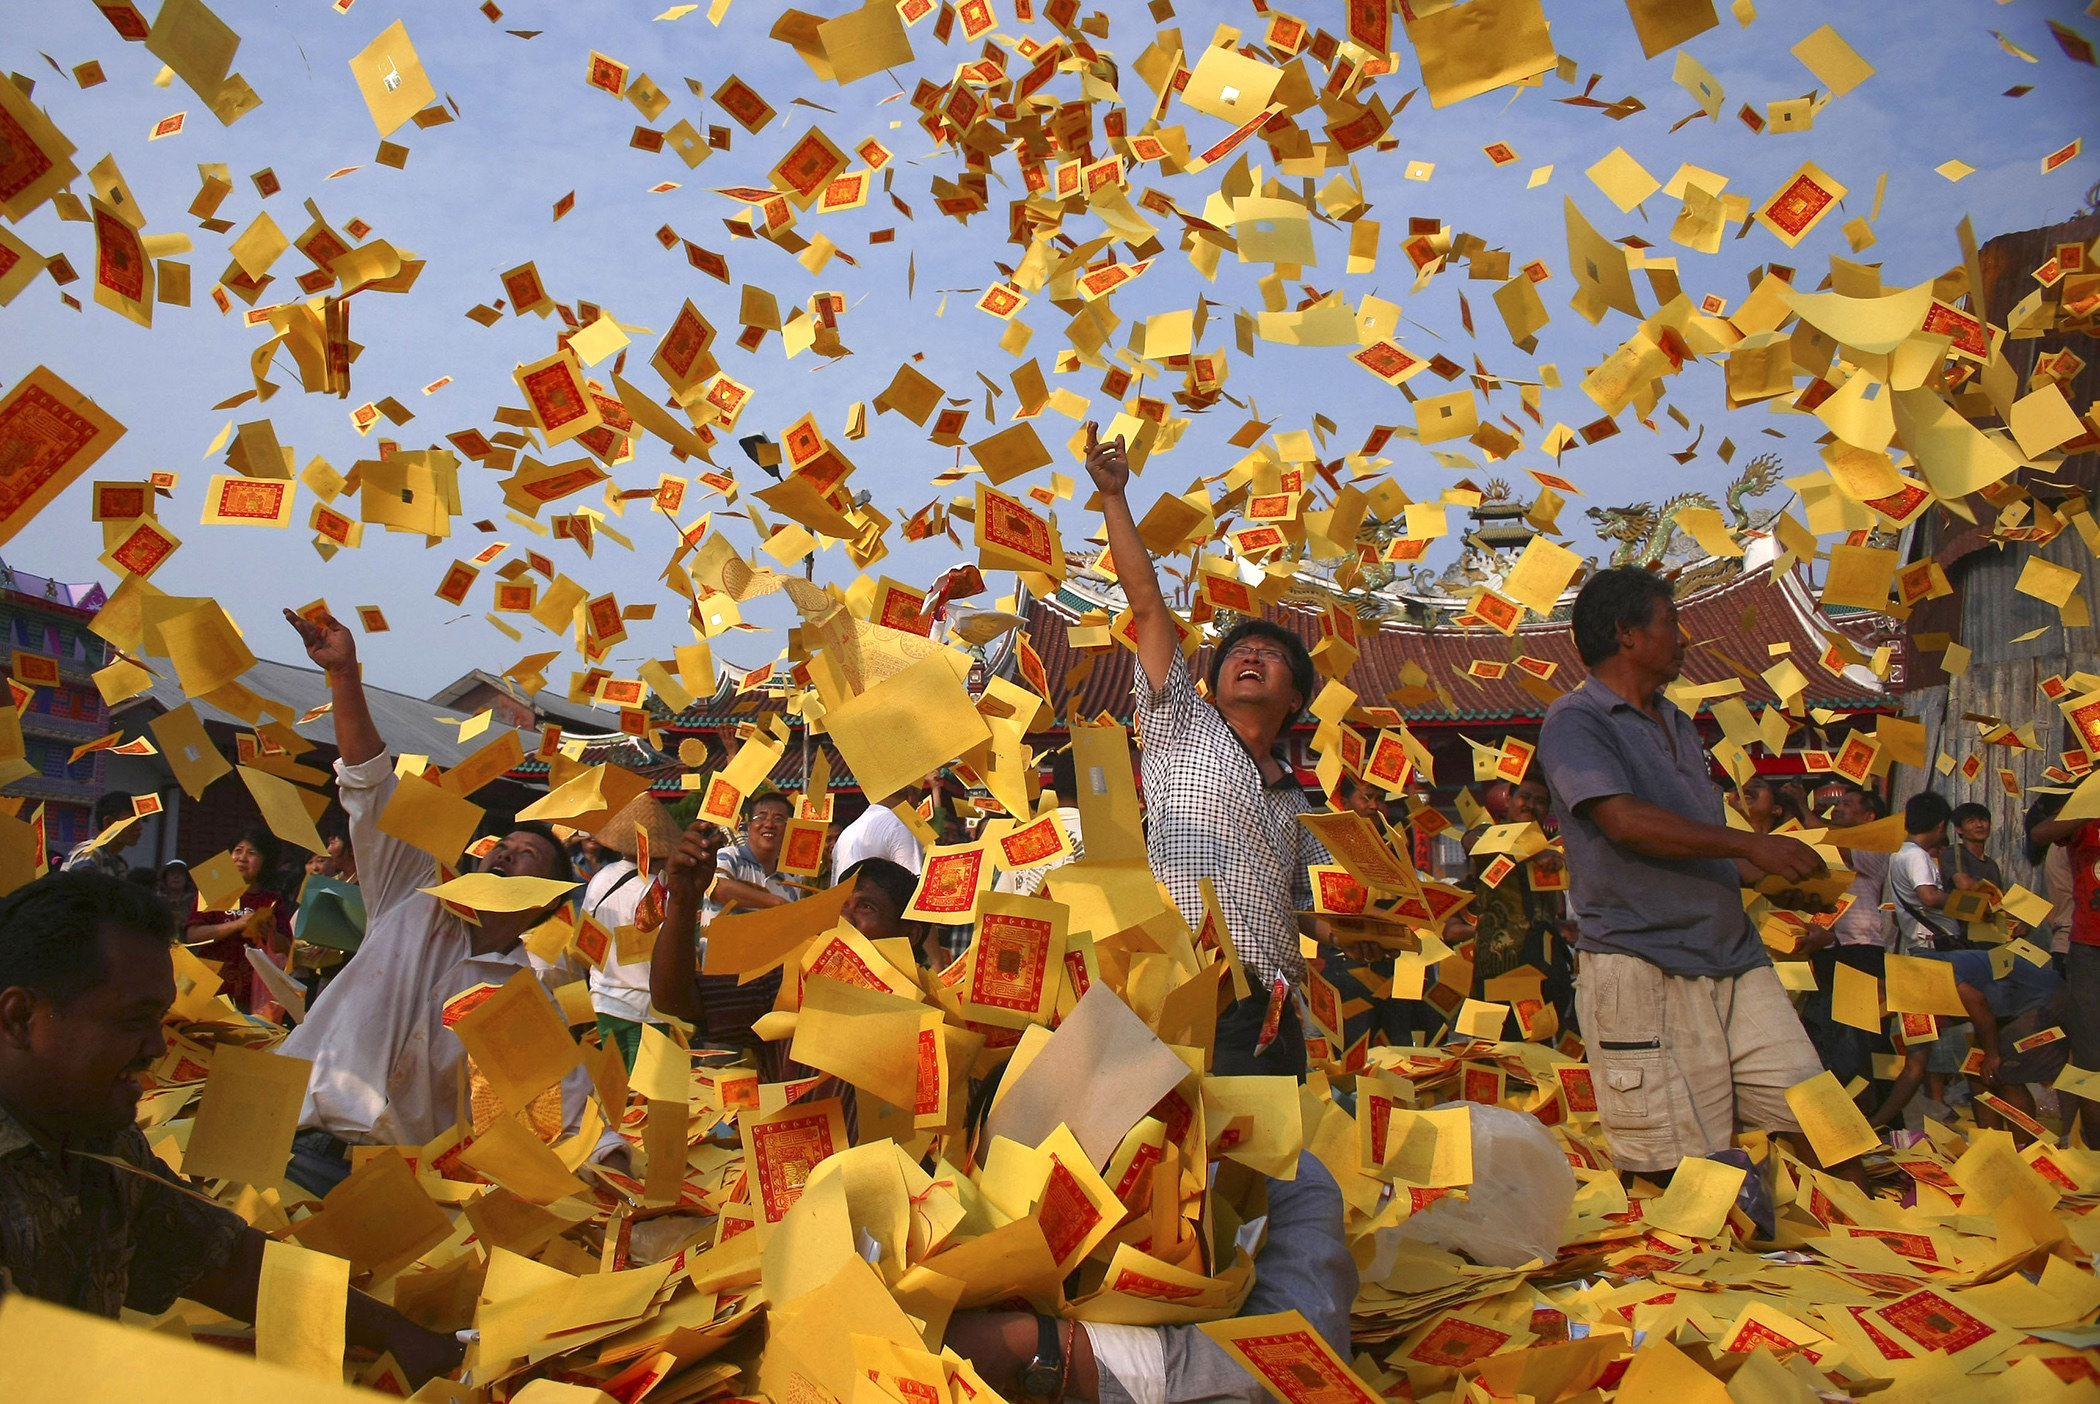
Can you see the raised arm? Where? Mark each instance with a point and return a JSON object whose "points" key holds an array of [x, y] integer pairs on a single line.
{"points": [[2056, 831], [1109, 467], [1656, 832], [733, 891], [334, 651], [673, 969]]}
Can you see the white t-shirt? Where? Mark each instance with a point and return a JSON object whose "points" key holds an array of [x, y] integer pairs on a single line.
{"points": [[876, 834], [611, 897], [1910, 869]]}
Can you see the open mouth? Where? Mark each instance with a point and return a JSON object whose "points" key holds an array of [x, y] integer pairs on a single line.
{"points": [[1248, 672]]}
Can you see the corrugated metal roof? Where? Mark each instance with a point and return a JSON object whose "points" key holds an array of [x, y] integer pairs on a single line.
{"points": [[546, 702], [409, 724]]}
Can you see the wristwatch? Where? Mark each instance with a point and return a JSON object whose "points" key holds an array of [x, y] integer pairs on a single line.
{"points": [[1041, 1377]]}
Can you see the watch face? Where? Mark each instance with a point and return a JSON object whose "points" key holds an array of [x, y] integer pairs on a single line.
{"points": [[1039, 1380]]}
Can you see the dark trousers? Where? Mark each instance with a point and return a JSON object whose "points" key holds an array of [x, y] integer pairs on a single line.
{"points": [[1846, 1051], [1239, 1029], [320, 1162]]}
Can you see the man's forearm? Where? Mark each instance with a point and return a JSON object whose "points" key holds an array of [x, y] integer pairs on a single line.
{"points": [[744, 894], [673, 983], [1655, 832], [1157, 642], [357, 736], [1133, 560], [368, 1323], [998, 1344], [2055, 831]]}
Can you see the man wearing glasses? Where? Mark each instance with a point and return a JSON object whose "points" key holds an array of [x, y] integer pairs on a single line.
{"points": [[1222, 802], [747, 876]]}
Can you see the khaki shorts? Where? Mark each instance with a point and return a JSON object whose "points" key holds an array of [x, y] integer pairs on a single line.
{"points": [[1678, 1061]]}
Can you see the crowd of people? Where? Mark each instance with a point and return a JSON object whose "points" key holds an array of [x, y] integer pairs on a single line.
{"points": [[1633, 922]]}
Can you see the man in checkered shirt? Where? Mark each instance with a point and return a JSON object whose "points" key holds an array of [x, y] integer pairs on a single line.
{"points": [[1221, 800]]}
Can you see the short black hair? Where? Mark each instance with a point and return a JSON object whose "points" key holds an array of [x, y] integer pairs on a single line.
{"points": [[1925, 811], [267, 844], [1345, 789], [893, 879], [1303, 675], [1963, 813], [770, 797], [1622, 597], [1872, 799], [50, 931], [110, 808]]}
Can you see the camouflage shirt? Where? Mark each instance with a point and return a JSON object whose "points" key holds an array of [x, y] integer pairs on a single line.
{"points": [[87, 1235]]}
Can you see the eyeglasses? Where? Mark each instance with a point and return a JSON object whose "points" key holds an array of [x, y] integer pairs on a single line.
{"points": [[1255, 651]]}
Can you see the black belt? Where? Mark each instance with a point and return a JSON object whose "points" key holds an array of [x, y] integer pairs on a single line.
{"points": [[321, 1143]]}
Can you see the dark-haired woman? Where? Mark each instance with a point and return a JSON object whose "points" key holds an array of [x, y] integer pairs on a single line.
{"points": [[260, 918]]}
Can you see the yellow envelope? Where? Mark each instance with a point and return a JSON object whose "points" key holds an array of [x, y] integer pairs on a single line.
{"points": [[1697, 1202], [1470, 49], [1922, 985], [391, 78], [431, 818], [1835, 1128], [299, 1310], [521, 1162], [751, 943], [56, 1353], [909, 724], [189, 751], [867, 1037], [246, 1118], [490, 892], [283, 809], [379, 1220], [518, 1041]]}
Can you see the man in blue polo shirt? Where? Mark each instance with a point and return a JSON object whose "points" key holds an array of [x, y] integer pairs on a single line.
{"points": [[1687, 1028]]}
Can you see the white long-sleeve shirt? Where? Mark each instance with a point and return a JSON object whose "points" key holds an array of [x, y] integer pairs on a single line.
{"points": [[386, 1069]]}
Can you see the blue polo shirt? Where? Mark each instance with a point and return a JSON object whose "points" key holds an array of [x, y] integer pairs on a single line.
{"points": [[1684, 915], [2024, 987]]}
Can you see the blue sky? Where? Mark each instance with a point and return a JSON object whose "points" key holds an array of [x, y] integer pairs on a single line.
{"points": [[476, 197]]}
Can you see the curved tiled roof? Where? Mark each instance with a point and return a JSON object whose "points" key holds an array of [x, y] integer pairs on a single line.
{"points": [[1731, 629]]}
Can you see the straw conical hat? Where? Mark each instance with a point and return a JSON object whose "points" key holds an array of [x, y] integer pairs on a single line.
{"points": [[642, 812]]}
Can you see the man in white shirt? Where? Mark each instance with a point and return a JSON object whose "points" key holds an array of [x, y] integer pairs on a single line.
{"points": [[1914, 887], [386, 1070], [878, 833], [1914, 877], [613, 898]]}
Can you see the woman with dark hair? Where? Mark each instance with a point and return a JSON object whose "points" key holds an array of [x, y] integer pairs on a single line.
{"points": [[261, 917]]}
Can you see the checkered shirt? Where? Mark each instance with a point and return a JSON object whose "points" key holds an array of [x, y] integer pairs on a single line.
{"points": [[1208, 815]]}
